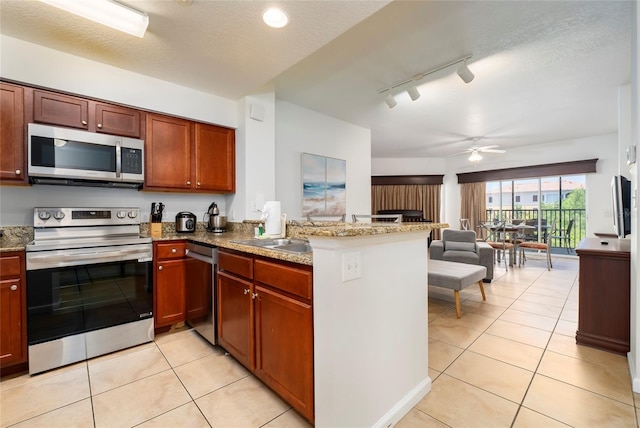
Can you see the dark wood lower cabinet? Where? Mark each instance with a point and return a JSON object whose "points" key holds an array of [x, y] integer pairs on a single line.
{"points": [[265, 320], [604, 295]]}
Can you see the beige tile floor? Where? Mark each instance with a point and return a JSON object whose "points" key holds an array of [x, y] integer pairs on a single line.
{"points": [[509, 361]]}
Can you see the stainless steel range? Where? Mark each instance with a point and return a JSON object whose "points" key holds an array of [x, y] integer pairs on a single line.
{"points": [[89, 285]]}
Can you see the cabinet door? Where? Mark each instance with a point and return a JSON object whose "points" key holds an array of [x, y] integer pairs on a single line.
{"points": [[198, 289], [167, 152], [215, 158], [12, 142], [62, 110], [284, 347], [117, 120], [13, 323], [169, 293], [235, 315]]}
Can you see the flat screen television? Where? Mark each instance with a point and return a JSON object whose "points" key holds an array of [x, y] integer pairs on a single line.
{"points": [[621, 199]]}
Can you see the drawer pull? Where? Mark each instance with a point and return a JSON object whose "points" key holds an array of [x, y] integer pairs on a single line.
{"points": [[14, 287], [246, 291], [159, 267], [173, 250]]}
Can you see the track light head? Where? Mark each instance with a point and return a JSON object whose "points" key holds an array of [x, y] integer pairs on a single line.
{"points": [[413, 92], [465, 74], [390, 100]]}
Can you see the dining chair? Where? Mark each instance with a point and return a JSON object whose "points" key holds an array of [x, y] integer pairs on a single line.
{"points": [[540, 246], [564, 236], [501, 243]]}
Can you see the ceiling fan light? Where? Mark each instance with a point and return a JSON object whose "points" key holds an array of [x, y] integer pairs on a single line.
{"points": [[107, 12], [475, 156], [390, 100], [465, 74], [413, 92]]}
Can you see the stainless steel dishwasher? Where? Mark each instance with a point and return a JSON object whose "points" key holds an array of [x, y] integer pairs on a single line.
{"points": [[201, 289]]}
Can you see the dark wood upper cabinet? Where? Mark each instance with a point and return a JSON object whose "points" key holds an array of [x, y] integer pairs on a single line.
{"points": [[62, 110], [12, 142], [215, 158], [111, 119], [167, 153]]}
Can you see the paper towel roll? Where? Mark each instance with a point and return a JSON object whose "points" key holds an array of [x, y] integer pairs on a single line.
{"points": [[271, 213]]}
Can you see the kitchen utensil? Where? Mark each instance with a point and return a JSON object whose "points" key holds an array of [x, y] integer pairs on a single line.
{"points": [[185, 222]]}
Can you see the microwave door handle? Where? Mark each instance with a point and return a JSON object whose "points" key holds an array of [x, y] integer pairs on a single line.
{"points": [[118, 158]]}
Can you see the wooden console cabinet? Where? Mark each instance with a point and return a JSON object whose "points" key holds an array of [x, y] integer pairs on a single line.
{"points": [[604, 295]]}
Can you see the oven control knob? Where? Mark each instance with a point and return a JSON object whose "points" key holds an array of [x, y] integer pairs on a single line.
{"points": [[121, 214], [58, 215], [133, 214], [44, 215]]}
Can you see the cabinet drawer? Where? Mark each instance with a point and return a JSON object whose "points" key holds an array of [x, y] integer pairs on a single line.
{"points": [[10, 267], [286, 278], [240, 265], [170, 250]]}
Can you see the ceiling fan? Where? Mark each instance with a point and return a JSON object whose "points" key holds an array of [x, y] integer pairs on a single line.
{"points": [[475, 150]]}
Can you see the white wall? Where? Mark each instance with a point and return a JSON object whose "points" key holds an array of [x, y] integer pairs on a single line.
{"points": [[36, 65], [300, 130], [634, 354], [604, 148]]}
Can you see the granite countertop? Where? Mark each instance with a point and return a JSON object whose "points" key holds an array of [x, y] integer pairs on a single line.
{"points": [[16, 238]]}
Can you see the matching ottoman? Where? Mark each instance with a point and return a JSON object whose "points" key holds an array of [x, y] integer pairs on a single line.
{"points": [[455, 276]]}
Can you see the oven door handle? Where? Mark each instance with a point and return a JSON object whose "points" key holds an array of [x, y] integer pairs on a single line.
{"points": [[72, 259]]}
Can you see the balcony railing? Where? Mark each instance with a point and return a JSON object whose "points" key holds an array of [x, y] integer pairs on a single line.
{"points": [[547, 216]]}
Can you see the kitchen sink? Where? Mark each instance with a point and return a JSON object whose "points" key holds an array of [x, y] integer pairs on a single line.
{"points": [[290, 245]]}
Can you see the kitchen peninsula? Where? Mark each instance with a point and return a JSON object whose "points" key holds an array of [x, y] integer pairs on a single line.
{"points": [[370, 348]]}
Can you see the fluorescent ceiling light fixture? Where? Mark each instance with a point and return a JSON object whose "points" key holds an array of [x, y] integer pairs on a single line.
{"points": [[106, 12], [465, 74], [475, 156], [275, 17], [413, 92], [390, 100]]}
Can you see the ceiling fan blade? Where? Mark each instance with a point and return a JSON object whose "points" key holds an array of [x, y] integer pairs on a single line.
{"points": [[483, 148], [493, 151]]}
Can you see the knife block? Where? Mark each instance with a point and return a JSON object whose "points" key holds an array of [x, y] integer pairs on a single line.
{"points": [[155, 229]]}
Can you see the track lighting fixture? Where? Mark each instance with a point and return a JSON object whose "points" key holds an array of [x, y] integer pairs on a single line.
{"points": [[390, 100], [413, 92], [475, 156], [465, 74], [463, 71]]}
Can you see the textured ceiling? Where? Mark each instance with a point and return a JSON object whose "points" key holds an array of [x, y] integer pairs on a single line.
{"points": [[545, 70]]}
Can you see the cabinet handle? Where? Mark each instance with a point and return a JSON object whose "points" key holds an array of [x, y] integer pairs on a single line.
{"points": [[159, 267], [173, 250], [189, 183], [254, 295], [18, 172], [14, 287], [100, 125], [198, 183], [246, 291], [84, 122]]}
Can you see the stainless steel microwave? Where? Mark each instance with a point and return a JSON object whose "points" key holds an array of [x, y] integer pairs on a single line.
{"points": [[74, 157]]}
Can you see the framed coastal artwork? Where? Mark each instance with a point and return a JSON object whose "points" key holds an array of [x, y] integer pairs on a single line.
{"points": [[324, 185]]}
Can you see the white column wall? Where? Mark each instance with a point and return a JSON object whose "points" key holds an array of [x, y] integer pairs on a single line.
{"points": [[300, 130]]}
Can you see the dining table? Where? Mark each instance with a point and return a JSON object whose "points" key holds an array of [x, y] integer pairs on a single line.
{"points": [[492, 231]]}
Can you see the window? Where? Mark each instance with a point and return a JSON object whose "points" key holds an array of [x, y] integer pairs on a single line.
{"points": [[490, 199], [535, 198], [517, 198]]}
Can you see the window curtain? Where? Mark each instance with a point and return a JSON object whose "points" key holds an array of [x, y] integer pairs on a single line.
{"points": [[473, 204], [424, 197]]}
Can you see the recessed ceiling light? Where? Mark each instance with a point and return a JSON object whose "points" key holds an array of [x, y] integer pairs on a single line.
{"points": [[275, 17]]}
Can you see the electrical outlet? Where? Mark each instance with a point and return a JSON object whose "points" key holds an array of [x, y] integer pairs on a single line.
{"points": [[351, 266]]}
